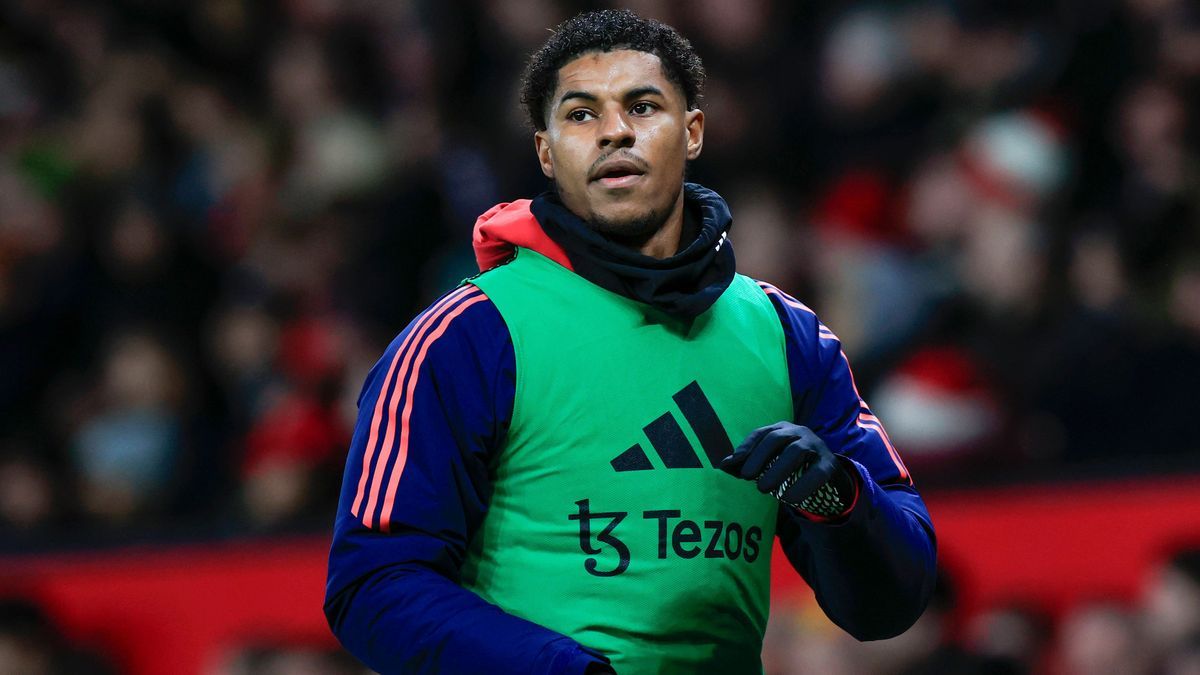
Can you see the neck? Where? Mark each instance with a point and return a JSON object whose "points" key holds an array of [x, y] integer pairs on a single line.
{"points": [[681, 267]]}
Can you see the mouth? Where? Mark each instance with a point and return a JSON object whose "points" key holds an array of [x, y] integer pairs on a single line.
{"points": [[619, 174]]}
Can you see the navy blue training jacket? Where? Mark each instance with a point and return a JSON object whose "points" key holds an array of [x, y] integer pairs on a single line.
{"points": [[438, 403]]}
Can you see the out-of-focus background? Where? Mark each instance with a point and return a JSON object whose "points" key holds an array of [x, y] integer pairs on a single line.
{"points": [[215, 214]]}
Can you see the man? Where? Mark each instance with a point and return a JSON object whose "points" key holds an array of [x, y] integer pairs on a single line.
{"points": [[543, 477]]}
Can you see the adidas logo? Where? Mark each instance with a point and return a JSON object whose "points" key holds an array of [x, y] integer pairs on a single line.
{"points": [[670, 443]]}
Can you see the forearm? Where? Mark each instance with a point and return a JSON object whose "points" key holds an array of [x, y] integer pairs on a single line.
{"points": [[410, 619], [874, 572]]}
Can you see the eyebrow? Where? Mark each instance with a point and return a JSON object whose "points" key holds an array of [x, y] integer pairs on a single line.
{"points": [[632, 93], [644, 91], [577, 94]]}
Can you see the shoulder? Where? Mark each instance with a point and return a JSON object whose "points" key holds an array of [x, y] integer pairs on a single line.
{"points": [[799, 321], [465, 313], [782, 300], [461, 322]]}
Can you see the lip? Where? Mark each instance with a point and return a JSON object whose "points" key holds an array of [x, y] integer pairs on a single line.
{"points": [[628, 180], [634, 172]]}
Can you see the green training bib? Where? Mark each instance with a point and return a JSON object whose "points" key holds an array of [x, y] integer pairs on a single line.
{"points": [[609, 521]]}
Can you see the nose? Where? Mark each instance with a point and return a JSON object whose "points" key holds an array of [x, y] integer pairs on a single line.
{"points": [[615, 130]]}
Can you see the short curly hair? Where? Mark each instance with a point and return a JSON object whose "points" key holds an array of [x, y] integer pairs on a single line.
{"points": [[604, 31]]}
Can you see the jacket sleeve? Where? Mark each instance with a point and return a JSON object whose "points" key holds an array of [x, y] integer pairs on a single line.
{"points": [[873, 570], [415, 490]]}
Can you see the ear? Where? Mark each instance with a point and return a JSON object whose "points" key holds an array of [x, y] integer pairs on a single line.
{"points": [[695, 132], [541, 145]]}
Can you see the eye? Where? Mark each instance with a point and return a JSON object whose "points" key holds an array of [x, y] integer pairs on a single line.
{"points": [[642, 108], [579, 115]]}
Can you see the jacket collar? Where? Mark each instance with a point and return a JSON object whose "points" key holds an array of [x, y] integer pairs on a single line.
{"points": [[683, 285]]}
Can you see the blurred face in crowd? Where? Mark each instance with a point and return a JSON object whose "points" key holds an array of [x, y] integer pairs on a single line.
{"points": [[618, 136], [1171, 609]]}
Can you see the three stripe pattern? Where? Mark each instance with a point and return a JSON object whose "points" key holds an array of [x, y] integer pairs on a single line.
{"points": [[669, 442], [384, 458]]}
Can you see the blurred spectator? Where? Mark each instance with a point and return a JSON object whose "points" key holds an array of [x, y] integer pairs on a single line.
{"points": [[243, 348], [940, 409], [1171, 606], [932, 645], [30, 644], [800, 639], [1015, 636], [28, 493], [288, 660], [1103, 638], [130, 449], [292, 457], [1185, 660]]}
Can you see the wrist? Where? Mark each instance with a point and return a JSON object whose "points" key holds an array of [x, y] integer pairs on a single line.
{"points": [[836, 499]]}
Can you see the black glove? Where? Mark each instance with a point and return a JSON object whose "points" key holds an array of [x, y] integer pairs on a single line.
{"points": [[793, 464]]}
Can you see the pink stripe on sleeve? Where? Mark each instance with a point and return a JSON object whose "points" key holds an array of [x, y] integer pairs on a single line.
{"points": [[385, 516], [421, 342], [787, 299], [868, 421], [429, 316]]}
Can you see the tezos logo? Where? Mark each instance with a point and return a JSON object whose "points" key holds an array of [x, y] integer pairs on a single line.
{"points": [[677, 536]]}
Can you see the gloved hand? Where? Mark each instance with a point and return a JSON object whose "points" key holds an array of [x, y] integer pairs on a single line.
{"points": [[792, 463]]}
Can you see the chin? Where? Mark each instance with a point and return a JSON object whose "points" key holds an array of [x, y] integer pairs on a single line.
{"points": [[637, 225]]}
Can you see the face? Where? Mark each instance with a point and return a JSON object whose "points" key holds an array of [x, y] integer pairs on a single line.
{"points": [[618, 136]]}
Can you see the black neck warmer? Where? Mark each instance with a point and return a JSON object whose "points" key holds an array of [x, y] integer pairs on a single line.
{"points": [[683, 285]]}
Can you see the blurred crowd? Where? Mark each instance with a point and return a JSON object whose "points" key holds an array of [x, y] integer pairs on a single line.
{"points": [[1159, 634], [214, 215], [32, 644], [1156, 634]]}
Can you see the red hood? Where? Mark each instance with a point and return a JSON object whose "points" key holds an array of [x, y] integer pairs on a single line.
{"points": [[506, 226]]}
